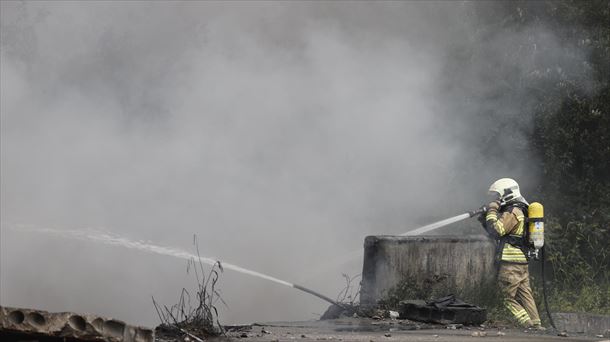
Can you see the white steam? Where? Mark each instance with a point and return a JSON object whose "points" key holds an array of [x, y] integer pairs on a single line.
{"points": [[280, 133]]}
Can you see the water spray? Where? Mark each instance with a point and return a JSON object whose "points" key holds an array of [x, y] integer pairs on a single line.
{"points": [[436, 225], [114, 240], [445, 222]]}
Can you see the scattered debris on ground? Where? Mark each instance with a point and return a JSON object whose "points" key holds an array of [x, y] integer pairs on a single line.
{"points": [[446, 310]]}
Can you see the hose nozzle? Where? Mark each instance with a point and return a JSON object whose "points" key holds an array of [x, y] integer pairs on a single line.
{"points": [[479, 211]]}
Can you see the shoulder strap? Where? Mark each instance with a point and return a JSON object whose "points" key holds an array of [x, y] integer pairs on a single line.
{"points": [[521, 206]]}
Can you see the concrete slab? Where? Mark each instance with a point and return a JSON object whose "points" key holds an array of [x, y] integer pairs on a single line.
{"points": [[19, 324]]}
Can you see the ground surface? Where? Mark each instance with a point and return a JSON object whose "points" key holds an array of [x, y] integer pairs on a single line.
{"points": [[345, 330]]}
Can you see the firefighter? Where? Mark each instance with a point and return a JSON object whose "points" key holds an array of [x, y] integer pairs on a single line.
{"points": [[505, 222]]}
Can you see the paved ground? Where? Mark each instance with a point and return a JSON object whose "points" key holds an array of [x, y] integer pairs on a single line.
{"points": [[362, 330]]}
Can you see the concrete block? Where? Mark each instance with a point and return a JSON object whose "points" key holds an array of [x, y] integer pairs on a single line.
{"points": [[29, 325], [464, 263], [585, 323]]}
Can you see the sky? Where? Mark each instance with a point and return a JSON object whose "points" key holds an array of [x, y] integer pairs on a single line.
{"points": [[281, 134]]}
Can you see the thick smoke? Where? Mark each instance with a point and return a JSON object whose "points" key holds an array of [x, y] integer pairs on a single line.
{"points": [[280, 133]]}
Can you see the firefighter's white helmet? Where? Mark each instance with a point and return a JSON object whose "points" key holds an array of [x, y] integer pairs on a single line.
{"points": [[506, 190]]}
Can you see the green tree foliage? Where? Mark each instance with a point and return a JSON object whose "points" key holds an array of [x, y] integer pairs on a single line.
{"points": [[571, 139], [536, 75]]}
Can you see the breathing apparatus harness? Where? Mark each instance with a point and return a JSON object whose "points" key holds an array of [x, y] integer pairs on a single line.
{"points": [[518, 241]]}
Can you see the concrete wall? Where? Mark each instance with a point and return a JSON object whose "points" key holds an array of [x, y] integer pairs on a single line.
{"points": [[462, 262]]}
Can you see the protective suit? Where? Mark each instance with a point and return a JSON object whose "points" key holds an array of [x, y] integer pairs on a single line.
{"points": [[505, 222]]}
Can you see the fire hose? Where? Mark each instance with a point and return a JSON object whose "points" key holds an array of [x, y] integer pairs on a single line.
{"points": [[544, 296]]}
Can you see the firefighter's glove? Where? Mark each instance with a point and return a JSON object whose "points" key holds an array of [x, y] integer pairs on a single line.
{"points": [[481, 211], [493, 205]]}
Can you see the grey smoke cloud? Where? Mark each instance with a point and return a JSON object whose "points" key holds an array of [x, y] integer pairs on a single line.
{"points": [[280, 133]]}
